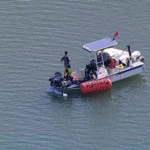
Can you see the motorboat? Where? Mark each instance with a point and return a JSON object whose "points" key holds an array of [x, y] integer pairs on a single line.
{"points": [[102, 53]]}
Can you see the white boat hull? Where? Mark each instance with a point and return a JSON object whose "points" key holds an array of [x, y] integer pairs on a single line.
{"points": [[128, 72], [122, 64]]}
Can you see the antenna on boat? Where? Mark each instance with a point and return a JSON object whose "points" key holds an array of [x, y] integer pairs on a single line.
{"points": [[128, 46]]}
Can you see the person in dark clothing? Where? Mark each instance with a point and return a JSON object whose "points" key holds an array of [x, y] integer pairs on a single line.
{"points": [[99, 58], [93, 67], [102, 57], [66, 60], [89, 71], [55, 81], [108, 61]]}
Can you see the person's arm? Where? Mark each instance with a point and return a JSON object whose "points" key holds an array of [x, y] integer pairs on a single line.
{"points": [[69, 58], [62, 59]]}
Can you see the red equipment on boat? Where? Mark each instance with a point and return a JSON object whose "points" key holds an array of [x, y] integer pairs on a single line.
{"points": [[96, 85]]}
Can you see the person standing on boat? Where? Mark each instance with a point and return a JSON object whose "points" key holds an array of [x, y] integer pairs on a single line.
{"points": [[105, 55], [99, 59], [66, 60]]}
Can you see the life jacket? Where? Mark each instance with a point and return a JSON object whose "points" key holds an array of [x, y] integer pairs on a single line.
{"points": [[112, 64], [67, 72]]}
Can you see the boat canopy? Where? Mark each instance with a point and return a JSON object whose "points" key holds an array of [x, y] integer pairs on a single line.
{"points": [[99, 45]]}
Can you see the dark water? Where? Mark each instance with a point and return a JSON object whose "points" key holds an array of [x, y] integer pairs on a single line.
{"points": [[33, 37]]}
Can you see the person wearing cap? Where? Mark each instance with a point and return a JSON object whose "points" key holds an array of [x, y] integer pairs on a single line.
{"points": [[66, 60]]}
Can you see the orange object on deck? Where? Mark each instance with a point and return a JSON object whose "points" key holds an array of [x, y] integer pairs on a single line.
{"points": [[96, 85]]}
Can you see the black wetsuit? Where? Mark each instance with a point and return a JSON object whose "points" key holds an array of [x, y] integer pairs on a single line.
{"points": [[66, 61], [91, 68]]}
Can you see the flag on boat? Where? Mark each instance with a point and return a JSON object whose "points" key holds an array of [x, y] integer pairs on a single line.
{"points": [[115, 35]]}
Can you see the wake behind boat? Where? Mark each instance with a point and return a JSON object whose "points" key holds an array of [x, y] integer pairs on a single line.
{"points": [[107, 64]]}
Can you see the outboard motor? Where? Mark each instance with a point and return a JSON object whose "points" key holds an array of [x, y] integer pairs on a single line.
{"points": [[57, 75], [56, 79], [142, 59], [137, 55]]}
